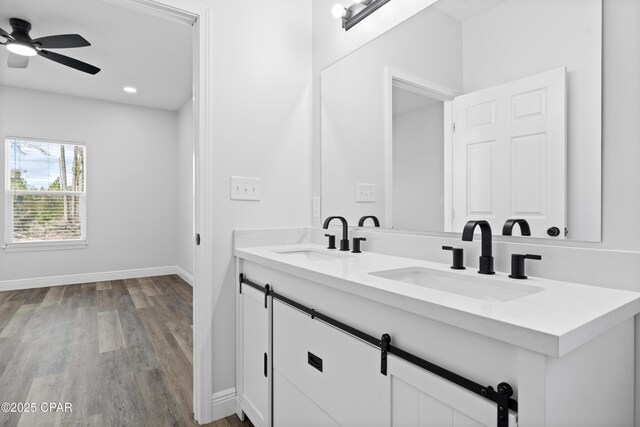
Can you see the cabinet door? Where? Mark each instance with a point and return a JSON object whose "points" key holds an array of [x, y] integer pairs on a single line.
{"points": [[253, 334], [336, 371], [291, 408], [422, 399]]}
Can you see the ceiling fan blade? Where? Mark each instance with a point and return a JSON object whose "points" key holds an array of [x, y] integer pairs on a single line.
{"points": [[4, 34], [69, 62], [17, 61], [61, 41]]}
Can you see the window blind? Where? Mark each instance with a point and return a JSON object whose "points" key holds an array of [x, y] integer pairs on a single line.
{"points": [[45, 191]]}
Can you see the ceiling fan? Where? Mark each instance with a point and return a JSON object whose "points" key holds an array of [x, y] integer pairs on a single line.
{"points": [[22, 46]]}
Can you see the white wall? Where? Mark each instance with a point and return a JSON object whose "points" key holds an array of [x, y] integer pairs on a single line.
{"points": [[131, 186], [186, 190], [353, 99], [261, 127], [516, 48], [418, 153]]}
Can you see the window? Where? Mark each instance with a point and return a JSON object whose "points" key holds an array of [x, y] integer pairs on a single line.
{"points": [[45, 193]]}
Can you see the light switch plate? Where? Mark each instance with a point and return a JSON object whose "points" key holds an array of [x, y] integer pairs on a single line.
{"points": [[365, 193], [245, 188], [316, 206]]}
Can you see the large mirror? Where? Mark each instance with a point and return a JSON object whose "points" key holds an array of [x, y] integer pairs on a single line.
{"points": [[479, 109]]}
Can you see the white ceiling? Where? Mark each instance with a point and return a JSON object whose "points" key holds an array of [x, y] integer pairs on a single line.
{"points": [[132, 48], [405, 101], [465, 9]]}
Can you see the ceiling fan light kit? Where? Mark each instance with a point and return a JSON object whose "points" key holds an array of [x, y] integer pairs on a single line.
{"points": [[21, 49], [19, 42]]}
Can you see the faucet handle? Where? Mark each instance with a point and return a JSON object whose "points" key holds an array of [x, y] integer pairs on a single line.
{"points": [[458, 257], [356, 244], [332, 241], [517, 265]]}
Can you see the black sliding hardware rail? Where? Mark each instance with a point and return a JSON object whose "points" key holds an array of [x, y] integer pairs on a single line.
{"points": [[501, 396]]}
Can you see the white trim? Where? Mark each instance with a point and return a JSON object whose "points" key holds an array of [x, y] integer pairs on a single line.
{"points": [[394, 77], [223, 403], [72, 279], [53, 245], [448, 166], [204, 213], [184, 275], [159, 9]]}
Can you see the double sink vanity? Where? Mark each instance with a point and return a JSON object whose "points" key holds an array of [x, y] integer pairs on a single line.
{"points": [[328, 337], [464, 117]]}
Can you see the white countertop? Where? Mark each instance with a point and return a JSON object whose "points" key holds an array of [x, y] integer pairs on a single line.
{"points": [[560, 318]]}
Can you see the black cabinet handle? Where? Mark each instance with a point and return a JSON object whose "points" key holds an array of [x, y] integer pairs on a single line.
{"points": [[314, 361], [265, 365]]}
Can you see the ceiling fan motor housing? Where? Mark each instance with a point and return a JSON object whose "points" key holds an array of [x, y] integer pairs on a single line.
{"points": [[21, 30]]}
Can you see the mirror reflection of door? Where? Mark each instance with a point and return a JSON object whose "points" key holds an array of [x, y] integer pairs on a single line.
{"points": [[504, 151], [509, 154]]}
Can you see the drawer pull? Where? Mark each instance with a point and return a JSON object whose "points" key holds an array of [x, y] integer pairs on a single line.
{"points": [[314, 361], [265, 365]]}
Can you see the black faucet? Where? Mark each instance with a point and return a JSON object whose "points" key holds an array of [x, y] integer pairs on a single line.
{"points": [[524, 227], [486, 259], [344, 243], [376, 223]]}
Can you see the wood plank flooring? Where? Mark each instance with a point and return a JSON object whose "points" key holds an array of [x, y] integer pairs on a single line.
{"points": [[119, 352]]}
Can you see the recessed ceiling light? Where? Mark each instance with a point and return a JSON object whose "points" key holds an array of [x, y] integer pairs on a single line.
{"points": [[130, 89]]}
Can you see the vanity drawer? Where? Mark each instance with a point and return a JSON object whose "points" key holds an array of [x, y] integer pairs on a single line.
{"points": [[338, 372]]}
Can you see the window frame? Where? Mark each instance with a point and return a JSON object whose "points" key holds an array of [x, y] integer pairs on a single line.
{"points": [[41, 245]]}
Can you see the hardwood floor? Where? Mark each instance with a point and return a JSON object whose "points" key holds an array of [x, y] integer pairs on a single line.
{"points": [[119, 352]]}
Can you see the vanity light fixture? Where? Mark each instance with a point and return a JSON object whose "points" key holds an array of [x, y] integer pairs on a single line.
{"points": [[339, 11], [130, 89], [351, 17]]}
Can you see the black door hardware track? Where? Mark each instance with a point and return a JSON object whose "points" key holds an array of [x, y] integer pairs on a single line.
{"points": [[501, 396]]}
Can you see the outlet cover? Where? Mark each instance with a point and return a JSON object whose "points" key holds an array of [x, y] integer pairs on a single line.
{"points": [[365, 193], [316, 206], [245, 188]]}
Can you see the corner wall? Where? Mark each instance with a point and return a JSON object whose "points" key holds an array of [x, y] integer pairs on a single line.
{"points": [[261, 127]]}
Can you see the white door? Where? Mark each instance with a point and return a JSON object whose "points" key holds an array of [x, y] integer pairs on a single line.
{"points": [[422, 399], [509, 154], [254, 388]]}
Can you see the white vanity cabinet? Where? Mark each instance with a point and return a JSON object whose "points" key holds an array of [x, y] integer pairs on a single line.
{"points": [[320, 375], [253, 350], [336, 379], [338, 372]]}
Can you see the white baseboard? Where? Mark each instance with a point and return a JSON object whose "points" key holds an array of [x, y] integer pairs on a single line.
{"points": [[223, 403], [72, 279], [185, 276]]}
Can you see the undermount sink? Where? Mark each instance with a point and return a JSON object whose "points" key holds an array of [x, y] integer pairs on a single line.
{"points": [[482, 288], [312, 255]]}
